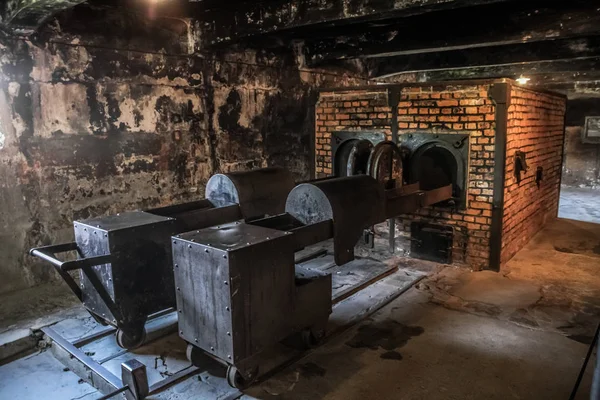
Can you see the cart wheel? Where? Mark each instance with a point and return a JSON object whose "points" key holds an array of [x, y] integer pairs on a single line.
{"points": [[311, 338], [128, 341], [237, 381], [192, 353]]}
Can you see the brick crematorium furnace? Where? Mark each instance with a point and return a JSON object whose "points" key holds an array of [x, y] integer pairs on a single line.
{"points": [[304, 199], [497, 143]]}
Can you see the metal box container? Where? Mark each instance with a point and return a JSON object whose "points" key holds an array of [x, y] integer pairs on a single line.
{"points": [[139, 279], [235, 288], [125, 268]]}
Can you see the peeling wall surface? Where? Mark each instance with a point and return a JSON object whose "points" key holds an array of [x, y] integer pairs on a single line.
{"points": [[582, 161], [581, 167], [91, 127]]}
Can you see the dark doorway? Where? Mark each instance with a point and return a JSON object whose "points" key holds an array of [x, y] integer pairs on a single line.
{"points": [[434, 168], [436, 160], [431, 242]]}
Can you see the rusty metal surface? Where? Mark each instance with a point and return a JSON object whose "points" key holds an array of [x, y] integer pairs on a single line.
{"points": [[304, 235], [234, 288], [313, 301], [311, 234], [342, 141], [404, 204], [203, 218], [352, 203], [452, 147], [405, 189], [431, 242], [405, 201], [281, 222], [177, 209], [437, 195], [139, 279], [258, 192], [352, 157], [385, 164], [239, 290], [125, 259]]}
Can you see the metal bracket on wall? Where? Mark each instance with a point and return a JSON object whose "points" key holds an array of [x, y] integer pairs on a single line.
{"points": [[520, 164], [393, 101], [539, 176], [501, 96]]}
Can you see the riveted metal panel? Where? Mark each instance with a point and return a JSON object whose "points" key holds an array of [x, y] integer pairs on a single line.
{"points": [[353, 203], [203, 296], [262, 294], [453, 147], [97, 285], [139, 279], [143, 269], [235, 288]]}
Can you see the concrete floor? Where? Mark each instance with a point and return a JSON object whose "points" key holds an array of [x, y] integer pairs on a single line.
{"points": [[519, 334], [26, 311], [417, 350], [580, 204]]}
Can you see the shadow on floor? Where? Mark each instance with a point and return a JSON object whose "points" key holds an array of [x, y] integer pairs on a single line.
{"points": [[520, 334], [454, 356]]}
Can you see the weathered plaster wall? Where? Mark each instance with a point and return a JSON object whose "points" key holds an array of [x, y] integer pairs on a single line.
{"points": [[581, 167], [91, 126], [266, 113]]}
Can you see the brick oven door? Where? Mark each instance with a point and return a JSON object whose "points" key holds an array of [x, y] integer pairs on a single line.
{"points": [[437, 160], [431, 242]]}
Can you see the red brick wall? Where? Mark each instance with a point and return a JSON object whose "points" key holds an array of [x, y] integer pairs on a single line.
{"points": [[459, 109], [355, 110], [535, 126]]}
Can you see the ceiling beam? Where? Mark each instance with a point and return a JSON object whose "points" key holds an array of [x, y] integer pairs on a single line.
{"points": [[229, 24], [457, 30], [539, 71], [498, 56], [559, 77], [584, 87]]}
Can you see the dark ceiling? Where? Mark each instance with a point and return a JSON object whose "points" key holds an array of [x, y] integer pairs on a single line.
{"points": [[555, 43]]}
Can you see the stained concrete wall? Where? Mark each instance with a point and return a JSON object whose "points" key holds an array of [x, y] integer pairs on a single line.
{"points": [[92, 124], [581, 167]]}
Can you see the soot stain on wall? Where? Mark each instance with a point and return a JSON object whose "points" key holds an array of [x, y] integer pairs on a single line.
{"points": [[92, 130], [581, 165]]}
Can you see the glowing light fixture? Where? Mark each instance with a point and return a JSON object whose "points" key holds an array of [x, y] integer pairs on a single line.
{"points": [[522, 80]]}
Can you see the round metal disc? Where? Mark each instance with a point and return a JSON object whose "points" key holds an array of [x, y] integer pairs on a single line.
{"points": [[385, 164]]}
